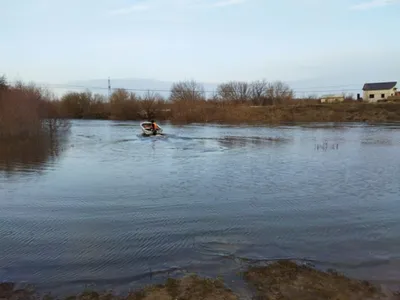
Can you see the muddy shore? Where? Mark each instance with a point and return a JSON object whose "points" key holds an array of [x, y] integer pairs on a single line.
{"points": [[279, 280]]}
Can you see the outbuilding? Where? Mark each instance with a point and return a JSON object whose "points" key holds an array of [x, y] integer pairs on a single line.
{"points": [[332, 99]]}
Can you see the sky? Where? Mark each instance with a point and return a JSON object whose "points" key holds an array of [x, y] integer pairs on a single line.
{"points": [[317, 42]]}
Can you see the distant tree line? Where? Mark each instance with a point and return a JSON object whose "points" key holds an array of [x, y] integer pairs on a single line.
{"points": [[125, 105], [241, 92], [187, 102]]}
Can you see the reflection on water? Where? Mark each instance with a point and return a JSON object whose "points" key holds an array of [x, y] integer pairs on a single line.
{"points": [[325, 146], [240, 141], [116, 208], [30, 155], [377, 141]]}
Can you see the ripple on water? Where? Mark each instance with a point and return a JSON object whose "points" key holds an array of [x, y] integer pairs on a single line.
{"points": [[31, 157], [117, 208]]}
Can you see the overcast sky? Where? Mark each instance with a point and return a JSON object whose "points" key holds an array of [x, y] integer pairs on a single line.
{"points": [[58, 41]]}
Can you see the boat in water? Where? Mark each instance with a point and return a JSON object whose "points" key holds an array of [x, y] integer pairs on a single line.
{"points": [[147, 129]]}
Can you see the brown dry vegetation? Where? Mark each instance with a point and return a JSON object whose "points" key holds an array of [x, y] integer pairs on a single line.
{"points": [[19, 113], [234, 102], [188, 288], [31, 126], [286, 280], [238, 113], [283, 280], [27, 112]]}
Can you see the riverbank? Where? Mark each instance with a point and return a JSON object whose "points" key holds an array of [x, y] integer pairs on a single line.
{"points": [[284, 280], [244, 114], [231, 113], [29, 111]]}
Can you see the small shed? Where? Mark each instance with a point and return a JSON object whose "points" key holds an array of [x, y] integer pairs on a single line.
{"points": [[332, 99]]}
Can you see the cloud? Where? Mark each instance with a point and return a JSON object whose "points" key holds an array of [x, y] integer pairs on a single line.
{"points": [[130, 9], [373, 4], [224, 3]]}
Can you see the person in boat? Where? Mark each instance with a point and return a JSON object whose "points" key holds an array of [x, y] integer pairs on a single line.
{"points": [[154, 126]]}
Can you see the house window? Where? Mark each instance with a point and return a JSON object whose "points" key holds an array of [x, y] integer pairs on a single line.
{"points": [[382, 96], [371, 96]]}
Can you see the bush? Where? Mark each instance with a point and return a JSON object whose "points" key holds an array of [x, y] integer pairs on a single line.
{"points": [[27, 112]]}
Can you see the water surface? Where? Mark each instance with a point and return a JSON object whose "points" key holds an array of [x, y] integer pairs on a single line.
{"points": [[115, 209]]}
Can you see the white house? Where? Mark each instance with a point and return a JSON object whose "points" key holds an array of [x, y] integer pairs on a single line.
{"points": [[373, 92]]}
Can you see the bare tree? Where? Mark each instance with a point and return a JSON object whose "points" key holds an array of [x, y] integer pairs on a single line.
{"points": [[99, 98], [77, 105], [30, 89], [236, 91], [119, 95], [258, 92], [187, 91], [3, 88], [278, 92], [150, 104], [124, 105], [3, 83]]}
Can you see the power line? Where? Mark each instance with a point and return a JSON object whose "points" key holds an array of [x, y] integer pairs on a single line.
{"points": [[330, 91], [331, 86], [321, 89]]}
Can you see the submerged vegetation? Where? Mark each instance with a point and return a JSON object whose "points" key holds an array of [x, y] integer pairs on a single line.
{"points": [[31, 127], [283, 280], [28, 112]]}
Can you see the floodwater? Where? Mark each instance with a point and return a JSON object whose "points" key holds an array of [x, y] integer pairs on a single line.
{"points": [[110, 208]]}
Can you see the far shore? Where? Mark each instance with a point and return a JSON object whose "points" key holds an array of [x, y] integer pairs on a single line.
{"points": [[29, 111], [283, 280], [241, 114], [237, 114]]}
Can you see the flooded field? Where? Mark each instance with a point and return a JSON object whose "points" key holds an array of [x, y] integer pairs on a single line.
{"points": [[108, 208]]}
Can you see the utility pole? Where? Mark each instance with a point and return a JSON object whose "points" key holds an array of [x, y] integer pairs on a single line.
{"points": [[109, 88]]}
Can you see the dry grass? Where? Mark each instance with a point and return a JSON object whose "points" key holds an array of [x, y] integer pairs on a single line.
{"points": [[190, 288], [283, 280], [286, 280], [205, 112], [187, 288], [130, 107]]}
